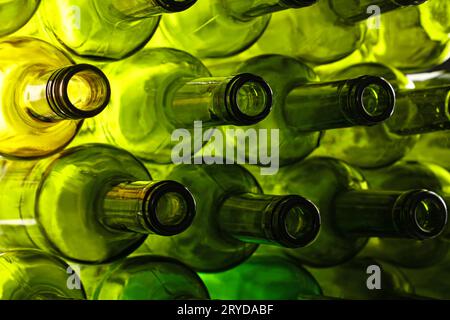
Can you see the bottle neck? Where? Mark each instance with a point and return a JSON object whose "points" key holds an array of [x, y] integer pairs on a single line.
{"points": [[289, 221], [242, 100], [365, 100], [417, 214], [421, 111], [247, 10], [71, 93], [141, 9], [164, 208], [357, 11]]}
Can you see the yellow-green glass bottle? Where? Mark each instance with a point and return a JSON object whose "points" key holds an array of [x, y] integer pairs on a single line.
{"points": [[352, 213], [418, 110], [326, 32], [34, 275], [233, 218], [164, 101], [142, 278], [105, 29], [14, 14], [239, 24], [414, 38], [92, 204], [44, 97]]}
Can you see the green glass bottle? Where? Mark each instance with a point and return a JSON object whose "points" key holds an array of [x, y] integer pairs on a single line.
{"points": [[93, 204], [326, 32], [414, 38], [142, 278], [45, 97], [162, 99], [34, 275], [105, 29], [404, 176], [303, 107], [418, 111], [351, 280], [234, 216], [263, 277], [351, 213], [239, 23], [14, 14]]}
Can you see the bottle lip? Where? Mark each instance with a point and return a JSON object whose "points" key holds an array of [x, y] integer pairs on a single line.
{"points": [[58, 97], [150, 204], [281, 212], [298, 3], [357, 99], [176, 6], [238, 117], [407, 214]]}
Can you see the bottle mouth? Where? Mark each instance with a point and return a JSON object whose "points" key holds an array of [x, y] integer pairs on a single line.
{"points": [[248, 99], [372, 100], [78, 92], [422, 214], [169, 208], [296, 222], [298, 3], [176, 5]]}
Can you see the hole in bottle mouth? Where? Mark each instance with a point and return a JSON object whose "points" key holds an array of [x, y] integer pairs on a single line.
{"points": [[300, 221], [171, 208], [428, 215], [249, 99], [88, 91], [176, 5]]}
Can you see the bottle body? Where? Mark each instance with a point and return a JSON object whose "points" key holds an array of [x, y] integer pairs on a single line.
{"points": [[54, 204], [33, 275], [16, 14]]}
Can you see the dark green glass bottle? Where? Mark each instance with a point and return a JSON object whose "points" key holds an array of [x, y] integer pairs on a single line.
{"points": [[160, 95], [93, 204], [34, 275], [263, 277], [404, 176], [326, 32], [105, 29], [303, 107], [351, 213], [418, 110], [239, 24], [351, 280], [142, 278], [234, 216]]}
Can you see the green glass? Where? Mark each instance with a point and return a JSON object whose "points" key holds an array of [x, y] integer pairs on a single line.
{"points": [[263, 277], [34, 275], [105, 29], [234, 216], [14, 14], [349, 281], [418, 111], [303, 107], [93, 204], [44, 97], [415, 38], [351, 213], [158, 91], [239, 24], [142, 278], [404, 176], [326, 32]]}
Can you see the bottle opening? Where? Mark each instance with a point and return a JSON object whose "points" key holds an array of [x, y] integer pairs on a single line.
{"points": [[428, 216], [169, 208], [78, 92], [373, 100], [176, 5], [249, 99], [299, 220]]}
